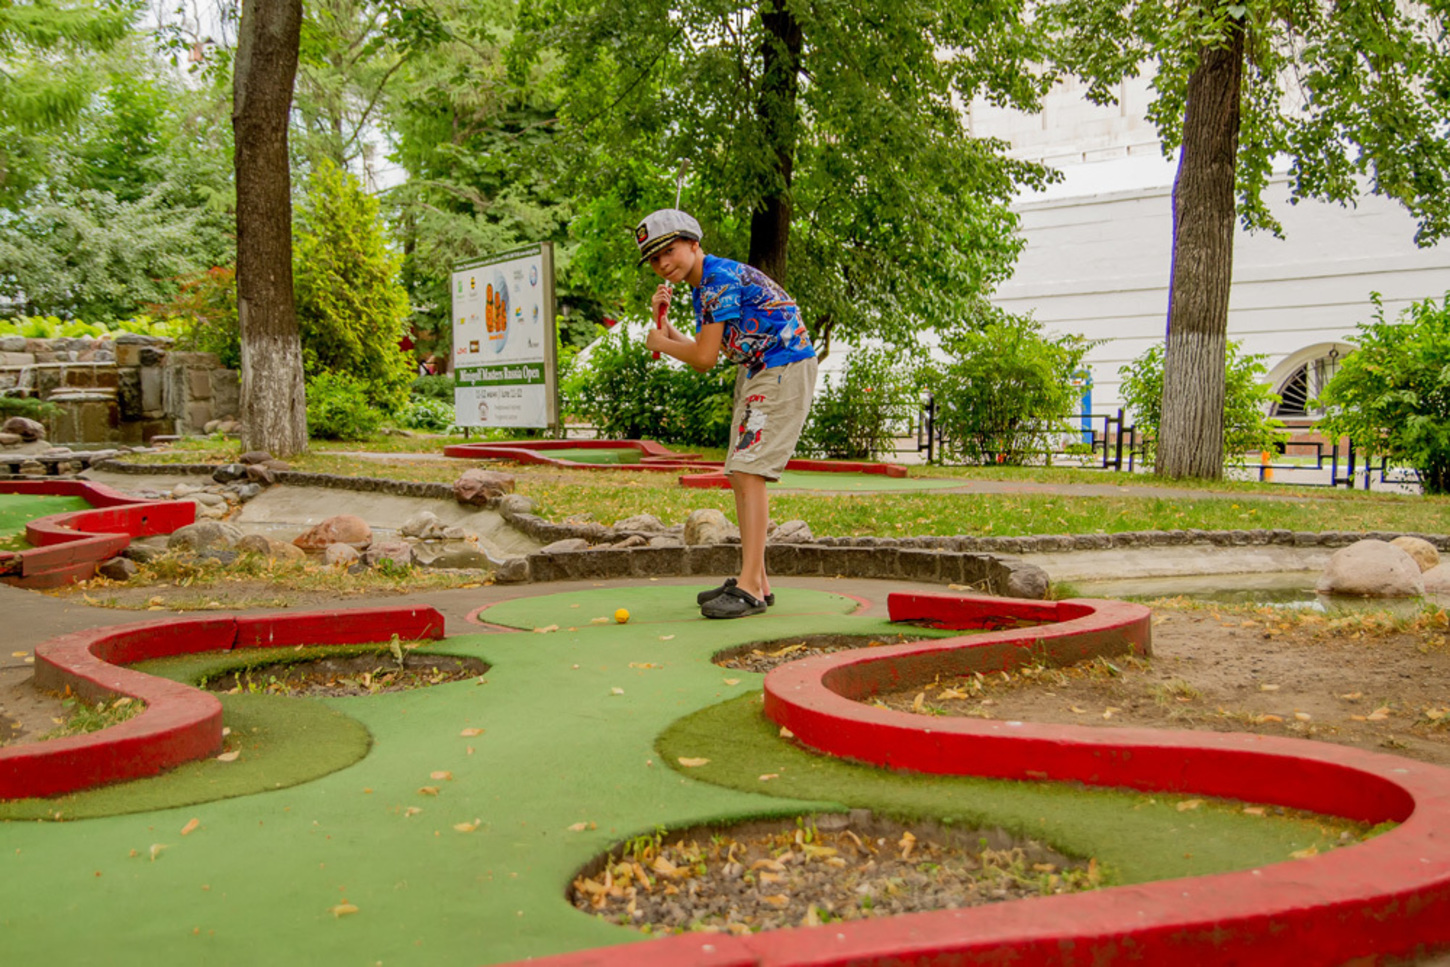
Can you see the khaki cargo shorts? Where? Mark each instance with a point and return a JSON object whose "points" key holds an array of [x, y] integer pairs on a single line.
{"points": [[770, 410]]}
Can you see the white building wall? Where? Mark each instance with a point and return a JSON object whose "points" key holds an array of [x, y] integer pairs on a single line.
{"points": [[1099, 245]]}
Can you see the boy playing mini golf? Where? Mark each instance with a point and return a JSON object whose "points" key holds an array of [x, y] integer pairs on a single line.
{"points": [[742, 313]]}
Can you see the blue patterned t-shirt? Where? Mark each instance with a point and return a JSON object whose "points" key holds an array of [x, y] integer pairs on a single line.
{"points": [[763, 325]]}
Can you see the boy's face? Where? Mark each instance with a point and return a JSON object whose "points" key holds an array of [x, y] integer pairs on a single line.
{"points": [[674, 262]]}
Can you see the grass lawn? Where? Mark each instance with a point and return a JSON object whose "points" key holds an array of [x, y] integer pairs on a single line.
{"points": [[613, 495]]}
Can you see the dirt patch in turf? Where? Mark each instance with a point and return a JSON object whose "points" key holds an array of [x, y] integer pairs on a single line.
{"points": [[345, 675], [762, 656], [1366, 680], [766, 875]]}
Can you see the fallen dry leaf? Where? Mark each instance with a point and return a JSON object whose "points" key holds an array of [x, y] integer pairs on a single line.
{"points": [[581, 827], [468, 827], [343, 909], [1303, 716], [231, 756], [442, 775], [545, 630], [691, 763], [1264, 719], [1304, 854], [786, 733], [616, 691], [156, 849], [1268, 688], [411, 811], [1380, 714], [599, 621], [191, 826], [1254, 810], [427, 790], [1077, 711], [1189, 804], [19, 654], [919, 702], [1108, 712], [667, 637], [469, 733], [769, 776], [1352, 696], [732, 681]]}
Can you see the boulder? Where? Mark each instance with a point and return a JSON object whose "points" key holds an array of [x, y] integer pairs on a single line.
{"points": [[399, 553], [566, 545], [117, 569], [259, 473], [791, 532], [276, 465], [648, 523], [27, 429], [1437, 579], [142, 553], [1028, 581], [254, 456], [12, 344], [203, 535], [10, 440], [516, 504], [459, 555], [424, 525], [270, 548], [342, 529], [211, 511], [229, 473], [1424, 553], [209, 499], [340, 555], [247, 491], [633, 540], [477, 487], [710, 526], [666, 540], [1375, 569]]}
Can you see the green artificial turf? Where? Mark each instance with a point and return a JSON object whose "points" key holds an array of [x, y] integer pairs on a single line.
{"points": [[16, 510], [458, 834]]}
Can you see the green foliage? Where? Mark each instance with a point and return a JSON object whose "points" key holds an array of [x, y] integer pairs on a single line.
{"points": [[1391, 396], [1247, 427], [338, 408], [901, 218], [859, 415], [439, 386], [426, 413], [204, 310], [1007, 392], [351, 310], [53, 327], [626, 394], [27, 406]]}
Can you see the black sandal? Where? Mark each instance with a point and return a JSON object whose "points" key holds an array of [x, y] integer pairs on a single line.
{"points": [[704, 596], [733, 603]]}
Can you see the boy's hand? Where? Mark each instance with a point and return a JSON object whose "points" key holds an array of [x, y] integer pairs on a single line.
{"points": [[663, 296], [655, 340]]}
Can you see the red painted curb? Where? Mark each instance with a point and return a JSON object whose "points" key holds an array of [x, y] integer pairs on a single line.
{"points": [[180, 723], [1388, 896], [69, 546]]}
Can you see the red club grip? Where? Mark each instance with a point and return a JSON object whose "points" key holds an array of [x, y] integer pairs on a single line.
{"points": [[660, 321]]}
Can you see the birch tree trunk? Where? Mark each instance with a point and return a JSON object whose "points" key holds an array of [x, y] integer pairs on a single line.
{"points": [[779, 89], [274, 405], [1190, 434]]}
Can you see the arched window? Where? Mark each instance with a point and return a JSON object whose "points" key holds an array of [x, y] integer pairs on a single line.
{"points": [[1304, 385]]}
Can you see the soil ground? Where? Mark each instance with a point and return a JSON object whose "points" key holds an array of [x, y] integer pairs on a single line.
{"points": [[1363, 681]]}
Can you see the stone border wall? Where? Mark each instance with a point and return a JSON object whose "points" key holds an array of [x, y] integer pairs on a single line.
{"points": [[987, 564]]}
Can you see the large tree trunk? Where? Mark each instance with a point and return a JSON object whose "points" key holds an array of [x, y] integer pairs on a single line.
{"points": [[1190, 436], [779, 88], [274, 406]]}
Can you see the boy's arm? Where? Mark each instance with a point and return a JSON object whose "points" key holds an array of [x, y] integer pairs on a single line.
{"points": [[700, 354]]}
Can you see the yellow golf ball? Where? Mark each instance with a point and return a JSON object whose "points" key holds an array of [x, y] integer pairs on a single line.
{"points": [[621, 616]]}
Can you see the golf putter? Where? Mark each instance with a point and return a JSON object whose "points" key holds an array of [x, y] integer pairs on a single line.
{"points": [[679, 188]]}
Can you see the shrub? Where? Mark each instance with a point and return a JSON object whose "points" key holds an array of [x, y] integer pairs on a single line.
{"points": [[1391, 396], [859, 415], [1007, 392], [425, 413], [338, 408], [436, 387], [1247, 427], [351, 310], [204, 310], [627, 395], [53, 327]]}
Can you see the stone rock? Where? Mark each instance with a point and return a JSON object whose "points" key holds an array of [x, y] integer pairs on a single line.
{"points": [[117, 569], [275, 465], [791, 532], [340, 555], [516, 504], [633, 540], [1437, 579], [710, 526], [185, 490], [210, 499], [342, 529], [399, 553], [455, 534], [210, 426], [223, 556], [1028, 581], [203, 535], [142, 553], [247, 491], [28, 430], [229, 473], [477, 487], [424, 525], [229, 427], [454, 556], [261, 474], [1374, 569], [10, 440], [211, 511], [648, 523], [270, 548], [513, 570], [1424, 553], [566, 545], [666, 540], [12, 344], [254, 456]]}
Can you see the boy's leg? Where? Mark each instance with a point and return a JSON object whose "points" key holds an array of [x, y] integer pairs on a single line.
{"points": [[752, 510]]}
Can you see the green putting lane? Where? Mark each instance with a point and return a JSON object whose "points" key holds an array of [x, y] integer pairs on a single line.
{"points": [[860, 482], [611, 455], [16, 510], [470, 865]]}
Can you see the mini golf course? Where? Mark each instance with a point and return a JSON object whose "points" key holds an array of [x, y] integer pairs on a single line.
{"points": [[443, 825], [646, 455]]}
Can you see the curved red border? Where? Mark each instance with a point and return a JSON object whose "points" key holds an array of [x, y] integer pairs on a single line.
{"points": [[69, 546], [180, 723], [1388, 896]]}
